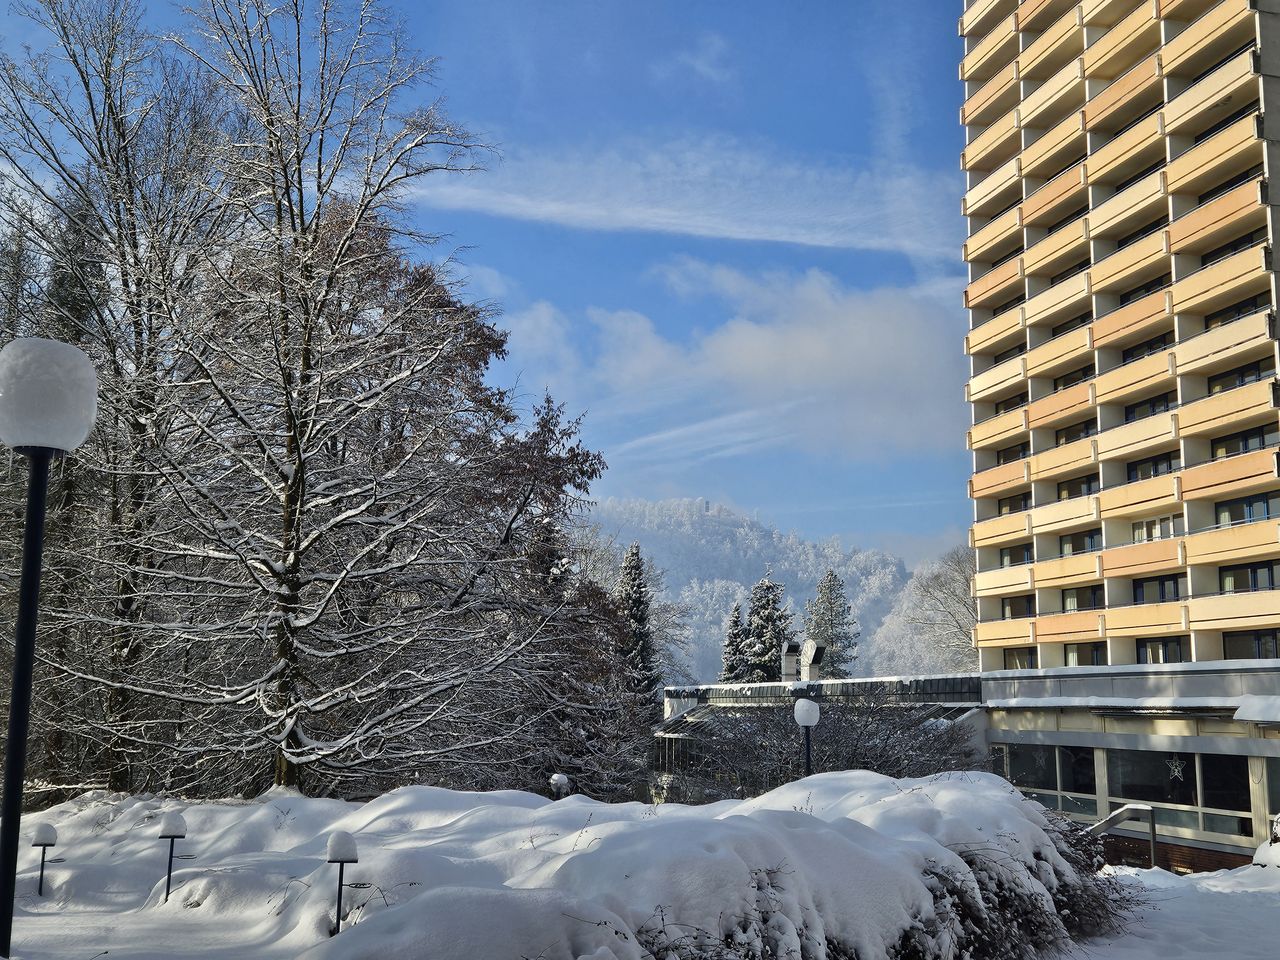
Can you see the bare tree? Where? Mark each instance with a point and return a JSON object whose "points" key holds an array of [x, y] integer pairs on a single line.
{"points": [[930, 628]]}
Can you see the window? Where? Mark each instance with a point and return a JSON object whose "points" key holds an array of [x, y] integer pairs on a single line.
{"points": [[1017, 350], [1260, 506], [1149, 407], [1077, 431], [1086, 655], [1224, 782], [1083, 598], [1151, 286], [1008, 304], [1075, 764], [1074, 377], [1147, 348], [1273, 786], [1007, 257], [1020, 658], [1242, 242], [1152, 776], [1164, 650], [1086, 541], [1244, 441], [1033, 765], [1073, 324], [1226, 121], [1015, 556], [1250, 645], [1011, 403], [1071, 217], [1070, 272], [1017, 608], [1015, 504], [1229, 184], [1248, 373], [1158, 528], [1220, 318], [1160, 589], [1145, 171], [1156, 466], [1144, 231], [1078, 487], [1014, 453], [1248, 577]]}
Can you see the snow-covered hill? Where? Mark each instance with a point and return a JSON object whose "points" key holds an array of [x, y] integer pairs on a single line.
{"points": [[713, 554]]}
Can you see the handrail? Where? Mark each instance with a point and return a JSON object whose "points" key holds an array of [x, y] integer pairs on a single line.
{"points": [[1130, 811]]}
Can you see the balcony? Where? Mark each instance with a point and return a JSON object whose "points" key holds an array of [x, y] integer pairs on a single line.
{"points": [[1002, 580], [994, 145], [1231, 477], [1123, 155], [1000, 531], [1133, 206], [1212, 348], [1141, 260], [1133, 440], [1236, 278], [983, 386], [1039, 14], [999, 329], [1185, 11], [1070, 627], [1059, 408], [1133, 322], [1105, 13], [1050, 102], [1067, 572], [996, 285], [1140, 378], [1142, 559], [995, 97], [1066, 460], [1209, 38], [1128, 94], [1004, 633], [1062, 353], [1142, 497], [1133, 38], [1005, 231], [994, 191], [1226, 411], [1238, 544], [1063, 193], [1235, 611], [1055, 517], [994, 51], [1061, 42], [1057, 251], [1233, 149], [1233, 214], [1218, 95], [998, 431], [1063, 300], [981, 14], [1146, 620], [1055, 147], [1001, 480]]}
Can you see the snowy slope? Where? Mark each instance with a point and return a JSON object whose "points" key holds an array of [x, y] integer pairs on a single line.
{"points": [[849, 858]]}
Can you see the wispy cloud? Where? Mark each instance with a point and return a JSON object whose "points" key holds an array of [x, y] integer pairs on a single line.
{"points": [[706, 60], [718, 187]]}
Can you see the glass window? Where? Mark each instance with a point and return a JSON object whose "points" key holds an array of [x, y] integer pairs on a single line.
{"points": [[1245, 374], [1078, 486], [1011, 454], [1015, 504], [1082, 598], [1147, 347], [1149, 407], [1158, 528], [1144, 231], [1164, 650], [1016, 555], [1013, 608], [1086, 654], [1017, 350], [1074, 323], [1160, 589], [1070, 272], [1245, 441], [1260, 506], [1151, 286], [1157, 466], [1074, 377], [1220, 318], [1250, 645], [1224, 782], [1153, 776], [1032, 765], [1243, 242], [1232, 826], [1247, 577], [1086, 541], [1273, 786], [1077, 431], [1075, 765], [1020, 658], [1011, 403]]}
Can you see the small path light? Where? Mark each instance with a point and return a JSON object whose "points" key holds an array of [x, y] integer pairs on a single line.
{"points": [[48, 401], [45, 836], [342, 850], [807, 713], [172, 828], [560, 785]]}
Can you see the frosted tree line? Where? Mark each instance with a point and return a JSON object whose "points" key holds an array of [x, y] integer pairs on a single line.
{"points": [[308, 543]]}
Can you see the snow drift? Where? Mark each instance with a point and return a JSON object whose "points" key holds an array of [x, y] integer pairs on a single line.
{"points": [[837, 866]]}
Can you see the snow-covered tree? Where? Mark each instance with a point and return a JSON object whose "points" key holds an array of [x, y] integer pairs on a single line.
{"points": [[930, 629], [829, 623], [734, 668], [768, 629], [643, 682]]}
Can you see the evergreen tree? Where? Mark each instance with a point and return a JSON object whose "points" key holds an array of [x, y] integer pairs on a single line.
{"points": [[828, 622], [643, 682], [768, 629], [734, 650]]}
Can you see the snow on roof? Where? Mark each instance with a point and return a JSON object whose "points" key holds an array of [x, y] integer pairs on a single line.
{"points": [[1255, 709], [1122, 703]]}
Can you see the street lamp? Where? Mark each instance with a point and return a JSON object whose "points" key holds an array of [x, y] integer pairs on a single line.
{"points": [[48, 400], [172, 828], [341, 850], [44, 837], [807, 713], [560, 785]]}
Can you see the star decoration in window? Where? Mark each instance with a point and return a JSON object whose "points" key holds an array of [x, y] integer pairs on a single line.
{"points": [[1175, 768]]}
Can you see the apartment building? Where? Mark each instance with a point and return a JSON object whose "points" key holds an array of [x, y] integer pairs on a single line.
{"points": [[1122, 335]]}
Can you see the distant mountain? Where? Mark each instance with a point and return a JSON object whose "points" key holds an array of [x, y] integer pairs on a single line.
{"points": [[713, 554]]}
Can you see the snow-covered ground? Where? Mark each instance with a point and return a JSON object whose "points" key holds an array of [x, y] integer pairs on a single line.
{"points": [[852, 858]]}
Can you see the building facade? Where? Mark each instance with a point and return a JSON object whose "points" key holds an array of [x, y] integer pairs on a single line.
{"points": [[1122, 337]]}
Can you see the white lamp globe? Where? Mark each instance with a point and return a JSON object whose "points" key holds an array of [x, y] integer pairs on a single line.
{"points": [[172, 826], [342, 848], [48, 395], [807, 712], [44, 835]]}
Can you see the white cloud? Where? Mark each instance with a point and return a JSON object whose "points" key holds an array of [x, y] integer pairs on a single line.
{"points": [[719, 187], [707, 60]]}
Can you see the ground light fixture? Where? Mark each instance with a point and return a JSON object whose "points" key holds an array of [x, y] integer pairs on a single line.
{"points": [[172, 828], [341, 850], [560, 785], [44, 837], [807, 713], [48, 401]]}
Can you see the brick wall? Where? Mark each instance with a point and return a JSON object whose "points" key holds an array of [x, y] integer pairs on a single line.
{"points": [[1175, 857]]}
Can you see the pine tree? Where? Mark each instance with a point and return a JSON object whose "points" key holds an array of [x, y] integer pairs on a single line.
{"points": [[734, 652], [829, 623], [643, 682], [768, 629]]}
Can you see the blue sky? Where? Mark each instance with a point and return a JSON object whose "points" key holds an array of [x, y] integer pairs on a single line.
{"points": [[729, 234]]}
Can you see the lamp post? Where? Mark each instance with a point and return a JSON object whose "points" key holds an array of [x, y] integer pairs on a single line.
{"points": [[807, 713], [44, 837], [172, 828], [341, 850], [48, 400]]}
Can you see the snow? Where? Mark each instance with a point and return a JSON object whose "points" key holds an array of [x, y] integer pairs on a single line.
{"points": [[342, 848], [44, 835], [1118, 703], [807, 712], [48, 394], [172, 824], [1255, 709]]}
